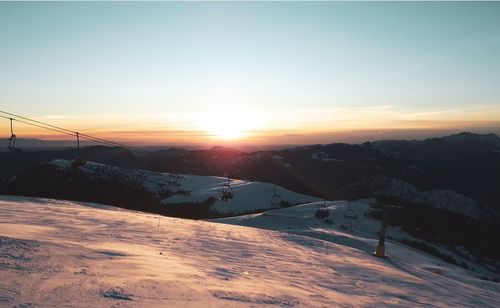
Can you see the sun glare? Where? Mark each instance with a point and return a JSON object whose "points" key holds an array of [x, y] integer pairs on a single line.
{"points": [[228, 125]]}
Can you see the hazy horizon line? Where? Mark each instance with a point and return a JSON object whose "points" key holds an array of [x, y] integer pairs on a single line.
{"points": [[410, 135]]}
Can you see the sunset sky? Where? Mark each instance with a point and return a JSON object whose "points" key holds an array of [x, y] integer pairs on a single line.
{"points": [[261, 73]]}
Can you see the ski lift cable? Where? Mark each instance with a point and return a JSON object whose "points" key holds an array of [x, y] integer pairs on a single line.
{"points": [[39, 122], [72, 133], [67, 131], [24, 122]]}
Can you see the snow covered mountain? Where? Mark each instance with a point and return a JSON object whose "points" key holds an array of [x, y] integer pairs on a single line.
{"points": [[460, 172], [61, 253], [438, 198], [180, 195]]}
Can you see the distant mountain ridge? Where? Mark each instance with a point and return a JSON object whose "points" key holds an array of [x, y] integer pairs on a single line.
{"points": [[463, 168]]}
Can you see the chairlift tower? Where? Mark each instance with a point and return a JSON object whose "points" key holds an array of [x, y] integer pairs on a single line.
{"points": [[12, 139], [380, 249]]}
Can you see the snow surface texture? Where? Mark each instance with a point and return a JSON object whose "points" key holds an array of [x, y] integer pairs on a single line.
{"points": [[61, 253], [340, 227]]}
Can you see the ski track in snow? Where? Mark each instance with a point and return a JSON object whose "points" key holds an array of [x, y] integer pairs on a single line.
{"points": [[62, 253]]}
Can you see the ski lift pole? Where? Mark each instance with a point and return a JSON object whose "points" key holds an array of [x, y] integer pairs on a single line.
{"points": [[77, 145], [12, 139], [380, 250]]}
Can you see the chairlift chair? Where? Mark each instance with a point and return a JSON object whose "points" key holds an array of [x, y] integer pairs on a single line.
{"points": [[350, 213], [177, 178], [276, 199], [226, 192]]}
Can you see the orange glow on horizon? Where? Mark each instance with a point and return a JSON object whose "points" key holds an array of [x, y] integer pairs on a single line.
{"points": [[270, 137], [239, 126]]}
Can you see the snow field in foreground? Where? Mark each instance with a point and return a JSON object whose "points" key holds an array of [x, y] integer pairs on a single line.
{"points": [[67, 253]]}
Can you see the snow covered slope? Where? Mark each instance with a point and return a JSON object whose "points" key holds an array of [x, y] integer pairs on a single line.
{"points": [[348, 223], [61, 253], [346, 217], [178, 189], [248, 196]]}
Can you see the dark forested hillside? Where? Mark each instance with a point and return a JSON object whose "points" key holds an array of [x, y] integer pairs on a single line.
{"points": [[460, 170]]}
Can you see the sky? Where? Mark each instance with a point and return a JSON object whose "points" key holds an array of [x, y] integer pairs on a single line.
{"points": [[251, 72]]}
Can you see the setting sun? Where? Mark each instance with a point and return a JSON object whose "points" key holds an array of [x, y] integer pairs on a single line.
{"points": [[229, 125], [249, 153]]}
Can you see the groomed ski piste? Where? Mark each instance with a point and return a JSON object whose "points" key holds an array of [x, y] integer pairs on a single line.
{"points": [[62, 253]]}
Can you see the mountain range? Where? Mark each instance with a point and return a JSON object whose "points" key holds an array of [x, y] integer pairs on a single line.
{"points": [[459, 172], [441, 190]]}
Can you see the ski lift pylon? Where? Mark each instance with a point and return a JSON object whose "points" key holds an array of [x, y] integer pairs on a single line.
{"points": [[77, 144], [12, 139], [77, 162]]}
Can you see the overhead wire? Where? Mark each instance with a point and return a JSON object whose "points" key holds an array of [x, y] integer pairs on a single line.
{"points": [[39, 122], [65, 131], [28, 123]]}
